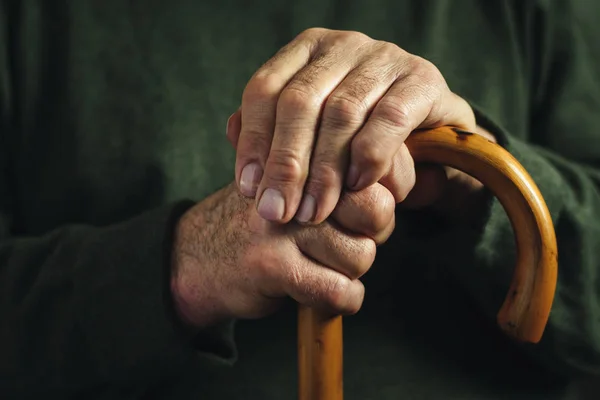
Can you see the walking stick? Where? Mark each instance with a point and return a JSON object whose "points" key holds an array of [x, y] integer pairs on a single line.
{"points": [[525, 311]]}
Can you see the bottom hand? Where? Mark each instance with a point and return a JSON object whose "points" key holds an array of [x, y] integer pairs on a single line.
{"points": [[230, 263]]}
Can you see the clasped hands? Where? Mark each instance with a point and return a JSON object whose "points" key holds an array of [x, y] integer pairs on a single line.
{"points": [[321, 164]]}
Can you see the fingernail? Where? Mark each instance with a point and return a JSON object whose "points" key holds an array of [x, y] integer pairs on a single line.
{"points": [[306, 211], [271, 205], [228, 128], [250, 178], [352, 178]]}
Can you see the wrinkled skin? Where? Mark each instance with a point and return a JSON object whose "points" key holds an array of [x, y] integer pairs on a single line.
{"points": [[230, 263], [331, 110]]}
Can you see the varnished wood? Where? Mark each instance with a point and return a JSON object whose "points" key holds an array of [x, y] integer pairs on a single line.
{"points": [[320, 355], [526, 308]]}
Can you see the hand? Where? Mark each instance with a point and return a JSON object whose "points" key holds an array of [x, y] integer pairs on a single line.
{"points": [[332, 102], [228, 262], [450, 192]]}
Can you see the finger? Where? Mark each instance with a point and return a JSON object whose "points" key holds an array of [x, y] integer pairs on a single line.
{"points": [[382, 236], [367, 212], [287, 271], [297, 122], [234, 126], [401, 178], [259, 102], [345, 112], [317, 286], [344, 252], [421, 98]]}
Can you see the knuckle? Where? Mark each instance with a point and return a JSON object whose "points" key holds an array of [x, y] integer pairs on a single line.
{"points": [[357, 37], [369, 155], [312, 32], [426, 70], [401, 177], [337, 297], [365, 256], [336, 293], [403, 190], [385, 234], [382, 210], [323, 176], [340, 39], [344, 111], [389, 50], [365, 201], [264, 86], [299, 96], [427, 80], [352, 309], [393, 112], [285, 166]]}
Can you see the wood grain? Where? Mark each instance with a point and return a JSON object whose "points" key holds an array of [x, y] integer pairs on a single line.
{"points": [[526, 308]]}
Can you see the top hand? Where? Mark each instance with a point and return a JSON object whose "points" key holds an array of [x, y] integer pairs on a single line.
{"points": [[332, 102]]}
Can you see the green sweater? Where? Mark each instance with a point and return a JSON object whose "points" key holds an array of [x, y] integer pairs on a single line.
{"points": [[112, 119]]}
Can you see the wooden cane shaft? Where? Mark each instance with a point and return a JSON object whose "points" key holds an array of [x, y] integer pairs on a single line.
{"points": [[320, 355], [526, 308]]}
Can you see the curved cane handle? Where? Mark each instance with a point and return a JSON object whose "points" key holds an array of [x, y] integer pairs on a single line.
{"points": [[526, 308]]}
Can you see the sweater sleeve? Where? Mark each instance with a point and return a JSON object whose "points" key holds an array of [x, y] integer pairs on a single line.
{"points": [[84, 306], [563, 158]]}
